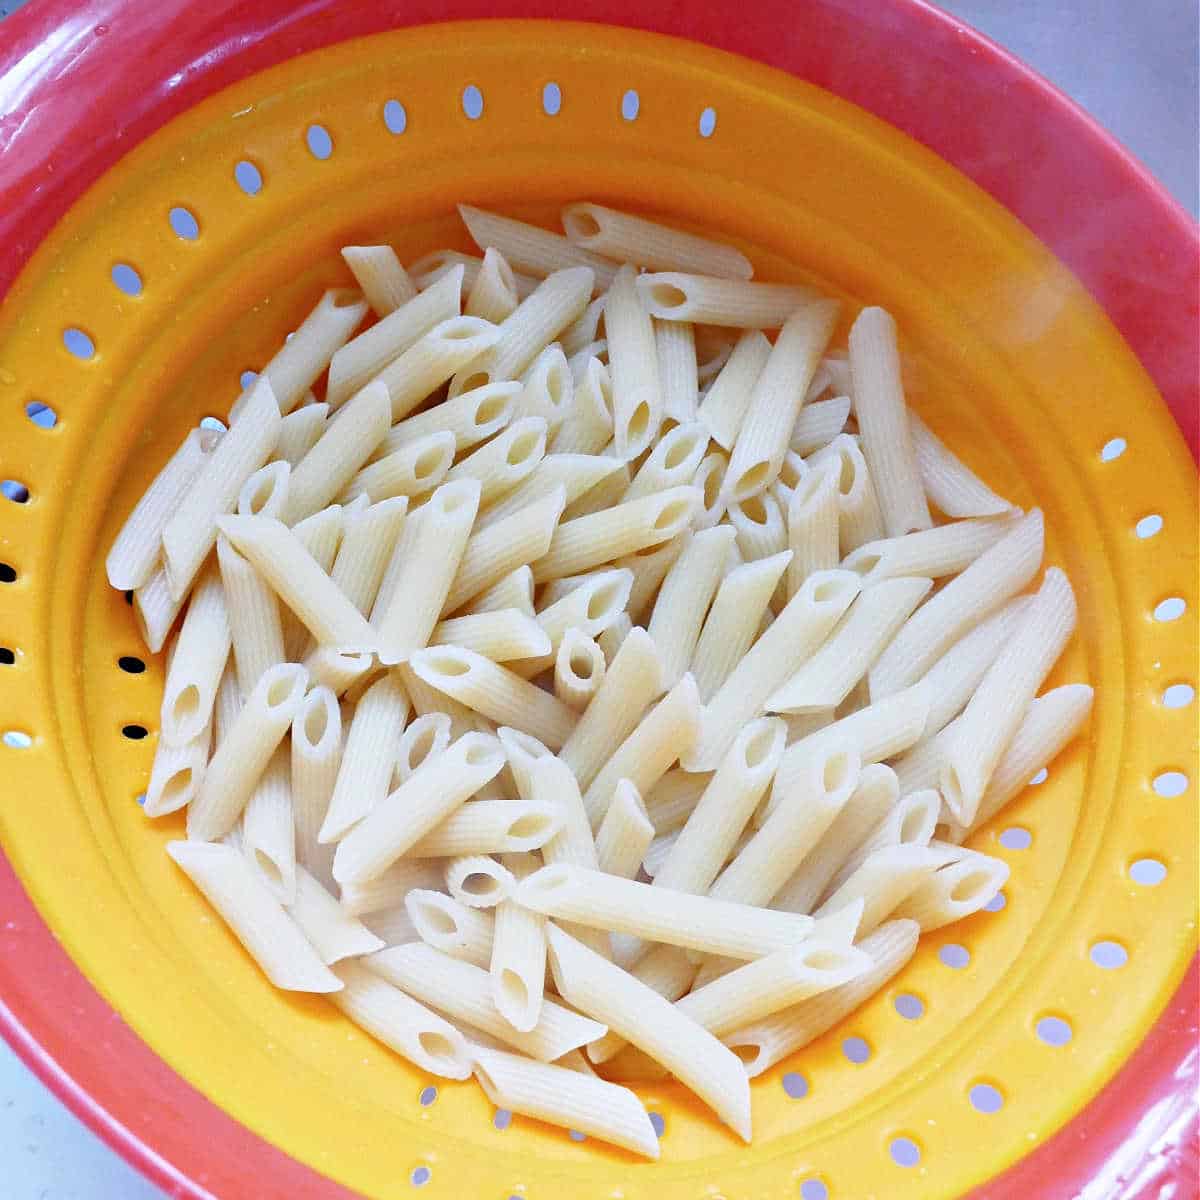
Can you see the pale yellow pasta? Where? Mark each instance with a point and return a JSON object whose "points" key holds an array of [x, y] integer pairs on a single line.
{"points": [[197, 662], [530, 248], [501, 465], [943, 550], [321, 534], [969, 598], [496, 693], [334, 934], [491, 827], [1048, 724], [993, 714], [883, 422], [501, 635], [384, 282], [568, 1098], [493, 292], [909, 822], [776, 399], [819, 423], [235, 889], [813, 519], [518, 962], [710, 478], [299, 431], [529, 329], [514, 591], [589, 541], [253, 615], [800, 628], [135, 551], [452, 927], [588, 427], [648, 244], [954, 892], [883, 881], [424, 737], [316, 750], [610, 639], [362, 359], [428, 556], [365, 774], [624, 834], [472, 418], [268, 828], [586, 328], [176, 774], [876, 792], [800, 820], [242, 755], [633, 364], [299, 582], [653, 1024], [479, 881], [401, 1023], [336, 669], [950, 485], [428, 797], [724, 809], [673, 462], [602, 495], [775, 1037], [547, 387], [575, 474], [760, 526], [705, 300], [665, 734], [733, 620], [191, 530], [675, 342], [673, 798], [462, 991], [438, 263], [724, 405], [579, 667], [392, 886], [499, 548], [871, 622], [368, 540], [859, 519], [265, 493]]}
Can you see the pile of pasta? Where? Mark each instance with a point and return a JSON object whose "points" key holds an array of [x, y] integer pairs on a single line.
{"points": [[582, 679]]}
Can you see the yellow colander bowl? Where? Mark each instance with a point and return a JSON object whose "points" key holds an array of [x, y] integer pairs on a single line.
{"points": [[179, 247]]}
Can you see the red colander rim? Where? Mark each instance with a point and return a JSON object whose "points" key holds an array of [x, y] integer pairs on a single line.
{"points": [[66, 115]]}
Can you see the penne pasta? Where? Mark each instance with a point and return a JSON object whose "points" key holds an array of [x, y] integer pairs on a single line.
{"points": [[425, 737], [333, 933], [491, 827], [954, 892], [579, 667], [336, 669], [625, 833], [265, 493], [885, 879], [514, 591], [633, 364], [585, 329], [726, 402], [242, 755], [316, 750], [268, 828], [391, 887], [909, 822], [377, 271], [819, 423], [588, 427], [452, 927], [197, 663], [969, 598], [368, 540], [704, 300], [626, 238], [501, 635], [944, 550], [253, 617], [673, 462], [299, 432], [176, 774], [518, 962], [575, 474], [612, 486], [479, 881], [493, 292], [949, 484], [675, 343], [434, 266], [472, 418], [673, 798], [859, 519], [710, 479], [776, 399], [760, 526], [522, 752], [502, 465], [135, 551], [428, 797], [547, 387], [232, 886]]}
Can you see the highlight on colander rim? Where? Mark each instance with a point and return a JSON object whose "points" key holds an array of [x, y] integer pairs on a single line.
{"points": [[593, 602]]}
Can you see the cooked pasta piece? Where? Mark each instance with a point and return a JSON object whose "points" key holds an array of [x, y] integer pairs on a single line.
{"points": [[602, 495], [316, 749], [954, 892], [268, 827], [337, 669], [299, 432], [675, 342], [135, 551], [726, 402], [733, 620], [588, 427], [704, 300], [993, 714], [197, 663], [871, 622], [760, 525], [782, 1033], [859, 519], [391, 887], [586, 328], [883, 881], [673, 798], [472, 418], [650, 567], [547, 387], [575, 474], [950, 485], [176, 774], [624, 834], [514, 591], [503, 464], [800, 628], [672, 462], [776, 399], [334, 934], [493, 293], [819, 423], [633, 364], [384, 282], [265, 493], [242, 755], [943, 550], [361, 360], [236, 890], [909, 822], [462, 991], [434, 266], [653, 1024], [969, 598], [579, 668], [253, 617], [501, 635], [428, 797], [518, 962], [452, 927], [368, 539], [491, 827]]}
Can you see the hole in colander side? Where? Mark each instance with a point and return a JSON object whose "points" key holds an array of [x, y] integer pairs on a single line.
{"points": [[576, 1136], [395, 117], [428, 1096], [212, 423], [1016, 838], [795, 1086], [42, 415], [985, 1098], [472, 102], [1148, 872], [18, 739], [1038, 777], [420, 1176], [997, 903], [134, 733], [7, 657], [856, 1050], [502, 1119], [246, 378], [8, 574], [131, 664], [319, 142], [659, 1123], [551, 99], [1108, 956], [904, 1151], [78, 343], [631, 104], [184, 224], [126, 279], [813, 1189], [708, 122], [910, 1007], [248, 177], [14, 490], [954, 955], [1148, 526], [1178, 695], [1112, 449], [1170, 784], [1170, 609], [1054, 1031]]}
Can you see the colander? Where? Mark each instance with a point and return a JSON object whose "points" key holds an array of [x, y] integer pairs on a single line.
{"points": [[176, 181]]}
